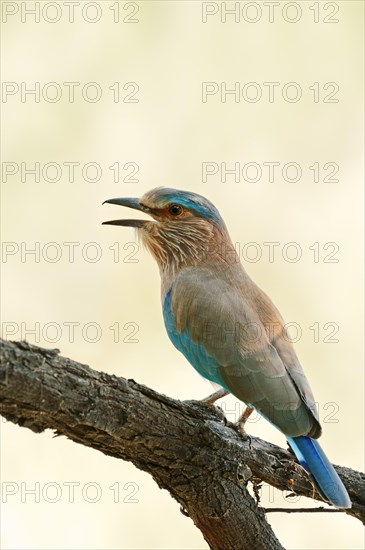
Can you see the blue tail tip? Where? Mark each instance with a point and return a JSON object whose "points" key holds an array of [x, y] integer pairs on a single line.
{"points": [[311, 456], [336, 494]]}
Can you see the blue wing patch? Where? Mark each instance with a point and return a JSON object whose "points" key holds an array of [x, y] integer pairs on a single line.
{"points": [[206, 365]]}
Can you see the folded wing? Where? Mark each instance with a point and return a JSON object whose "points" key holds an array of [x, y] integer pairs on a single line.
{"points": [[214, 322]]}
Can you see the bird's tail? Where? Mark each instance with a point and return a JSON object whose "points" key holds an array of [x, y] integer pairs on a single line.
{"points": [[309, 453]]}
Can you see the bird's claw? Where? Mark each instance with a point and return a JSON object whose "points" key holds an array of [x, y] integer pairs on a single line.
{"points": [[241, 430]]}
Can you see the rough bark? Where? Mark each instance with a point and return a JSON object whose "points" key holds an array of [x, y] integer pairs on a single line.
{"points": [[187, 447]]}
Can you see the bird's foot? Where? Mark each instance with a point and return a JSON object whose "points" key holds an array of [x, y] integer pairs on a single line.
{"points": [[211, 399], [209, 403], [242, 421], [242, 431]]}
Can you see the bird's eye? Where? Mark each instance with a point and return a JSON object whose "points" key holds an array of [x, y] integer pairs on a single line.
{"points": [[175, 210]]}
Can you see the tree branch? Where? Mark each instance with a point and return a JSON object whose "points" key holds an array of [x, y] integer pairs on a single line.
{"points": [[317, 510], [187, 447]]}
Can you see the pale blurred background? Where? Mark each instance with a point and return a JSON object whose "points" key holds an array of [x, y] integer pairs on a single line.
{"points": [[163, 138]]}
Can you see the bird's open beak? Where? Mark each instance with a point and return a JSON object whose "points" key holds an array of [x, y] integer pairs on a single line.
{"points": [[130, 203]]}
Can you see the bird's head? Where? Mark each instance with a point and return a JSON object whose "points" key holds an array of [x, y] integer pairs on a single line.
{"points": [[186, 228]]}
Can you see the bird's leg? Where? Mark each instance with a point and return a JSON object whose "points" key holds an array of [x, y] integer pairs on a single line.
{"points": [[243, 419], [214, 396]]}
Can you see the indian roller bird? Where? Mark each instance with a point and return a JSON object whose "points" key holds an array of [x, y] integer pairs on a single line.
{"points": [[226, 326]]}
